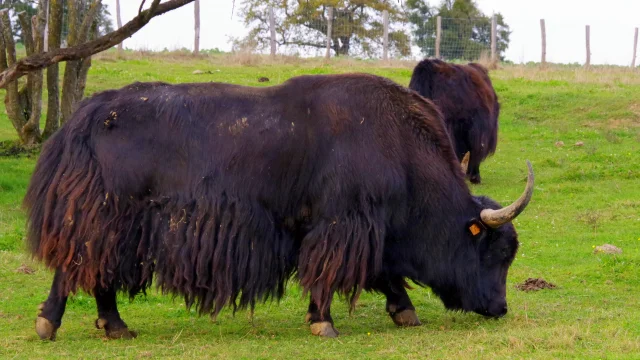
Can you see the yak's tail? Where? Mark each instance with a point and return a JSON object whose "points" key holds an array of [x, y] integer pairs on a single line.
{"points": [[72, 222], [44, 177]]}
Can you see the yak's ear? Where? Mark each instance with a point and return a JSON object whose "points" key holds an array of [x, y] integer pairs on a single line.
{"points": [[476, 228]]}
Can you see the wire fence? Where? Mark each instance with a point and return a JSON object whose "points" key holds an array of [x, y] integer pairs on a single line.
{"points": [[376, 35], [460, 39], [379, 35]]}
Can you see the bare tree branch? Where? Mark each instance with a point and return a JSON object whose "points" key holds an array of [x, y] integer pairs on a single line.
{"points": [[40, 61]]}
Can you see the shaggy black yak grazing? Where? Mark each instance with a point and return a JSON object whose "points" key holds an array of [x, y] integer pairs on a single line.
{"points": [[465, 95], [222, 193]]}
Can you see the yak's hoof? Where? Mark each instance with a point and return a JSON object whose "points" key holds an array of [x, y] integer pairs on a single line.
{"points": [[122, 333], [117, 333], [406, 317], [475, 179], [307, 318], [45, 329], [324, 329]]}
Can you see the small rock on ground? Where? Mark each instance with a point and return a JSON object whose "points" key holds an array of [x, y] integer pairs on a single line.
{"points": [[25, 269], [607, 249]]}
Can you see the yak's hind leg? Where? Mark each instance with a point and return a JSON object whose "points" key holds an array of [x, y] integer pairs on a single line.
{"points": [[320, 322], [399, 305], [339, 255], [109, 317], [51, 310]]}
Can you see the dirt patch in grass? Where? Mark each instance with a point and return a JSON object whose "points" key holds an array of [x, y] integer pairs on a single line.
{"points": [[25, 269], [12, 148], [532, 284], [613, 124]]}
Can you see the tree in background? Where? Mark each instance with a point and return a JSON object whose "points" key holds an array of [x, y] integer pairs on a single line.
{"points": [[23, 100], [105, 24], [17, 6], [464, 26], [356, 25]]}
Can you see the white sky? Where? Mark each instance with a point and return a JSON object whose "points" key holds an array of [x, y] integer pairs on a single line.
{"points": [[612, 25]]}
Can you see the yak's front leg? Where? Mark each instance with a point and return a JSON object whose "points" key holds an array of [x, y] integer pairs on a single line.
{"points": [[109, 317], [51, 311], [320, 322], [399, 305]]}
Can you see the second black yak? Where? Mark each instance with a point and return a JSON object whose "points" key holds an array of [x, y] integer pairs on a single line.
{"points": [[465, 95]]}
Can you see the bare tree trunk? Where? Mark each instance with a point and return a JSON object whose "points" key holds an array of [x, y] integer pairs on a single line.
{"points": [[54, 41], [119, 22], [24, 105], [46, 28], [8, 58], [33, 38], [78, 34], [81, 51], [196, 18], [86, 64]]}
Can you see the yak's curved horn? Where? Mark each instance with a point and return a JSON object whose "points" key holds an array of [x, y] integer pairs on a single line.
{"points": [[495, 218], [464, 164]]}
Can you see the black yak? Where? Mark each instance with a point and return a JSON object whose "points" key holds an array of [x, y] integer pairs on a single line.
{"points": [[225, 192], [465, 96]]}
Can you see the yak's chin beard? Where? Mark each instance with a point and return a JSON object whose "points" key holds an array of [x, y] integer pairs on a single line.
{"points": [[451, 299], [453, 302]]}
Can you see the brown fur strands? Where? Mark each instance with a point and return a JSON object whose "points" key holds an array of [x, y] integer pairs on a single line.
{"points": [[221, 193], [339, 255]]}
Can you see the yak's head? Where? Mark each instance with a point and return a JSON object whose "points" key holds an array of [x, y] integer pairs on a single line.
{"points": [[477, 279]]}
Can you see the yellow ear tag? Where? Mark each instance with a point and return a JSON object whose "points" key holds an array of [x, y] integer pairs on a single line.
{"points": [[475, 229]]}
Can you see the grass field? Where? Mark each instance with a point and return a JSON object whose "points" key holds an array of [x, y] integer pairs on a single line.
{"points": [[584, 196]]}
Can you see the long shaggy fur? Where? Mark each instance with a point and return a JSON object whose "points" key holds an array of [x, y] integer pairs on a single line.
{"points": [[223, 192]]}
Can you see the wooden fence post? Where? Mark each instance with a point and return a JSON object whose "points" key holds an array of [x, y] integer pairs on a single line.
{"points": [[635, 49], [119, 23], [543, 33], [196, 27], [438, 33], [272, 27], [329, 28], [385, 35], [494, 38], [588, 30]]}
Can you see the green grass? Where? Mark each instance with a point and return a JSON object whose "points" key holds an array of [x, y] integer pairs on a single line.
{"points": [[584, 196]]}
